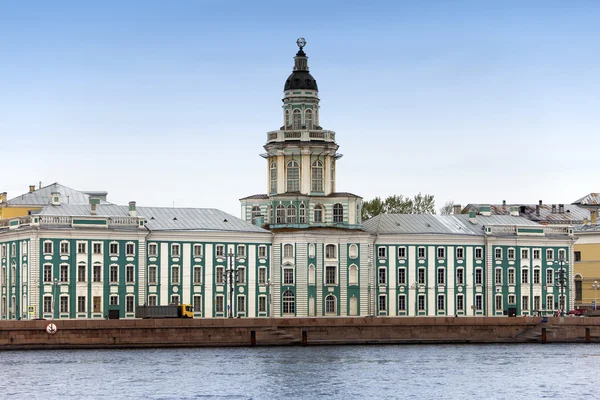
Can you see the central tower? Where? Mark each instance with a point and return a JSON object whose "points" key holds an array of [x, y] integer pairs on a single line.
{"points": [[301, 164]]}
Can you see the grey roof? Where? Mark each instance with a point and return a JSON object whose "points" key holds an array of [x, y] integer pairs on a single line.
{"points": [[256, 196], [164, 218], [587, 228], [41, 197], [438, 224], [592, 199], [572, 213]]}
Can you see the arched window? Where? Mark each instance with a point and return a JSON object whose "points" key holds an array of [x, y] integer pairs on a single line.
{"points": [[578, 288], [308, 119], [291, 214], [297, 119], [273, 179], [302, 214], [353, 252], [280, 214], [338, 213], [288, 302], [330, 251], [353, 275], [317, 176], [256, 213], [330, 305], [311, 275], [288, 250], [13, 274], [318, 213], [293, 176]]}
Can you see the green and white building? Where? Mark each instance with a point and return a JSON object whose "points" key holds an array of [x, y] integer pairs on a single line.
{"points": [[300, 249]]}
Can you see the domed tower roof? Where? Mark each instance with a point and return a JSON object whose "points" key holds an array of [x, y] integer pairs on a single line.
{"points": [[301, 78]]}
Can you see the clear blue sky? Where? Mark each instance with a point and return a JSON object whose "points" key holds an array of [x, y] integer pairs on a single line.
{"points": [[170, 101]]}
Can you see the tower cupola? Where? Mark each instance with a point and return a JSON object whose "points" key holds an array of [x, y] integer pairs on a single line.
{"points": [[301, 78]]}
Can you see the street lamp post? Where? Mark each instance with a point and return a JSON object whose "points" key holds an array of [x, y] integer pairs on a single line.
{"points": [[595, 287], [231, 271], [54, 286], [562, 279]]}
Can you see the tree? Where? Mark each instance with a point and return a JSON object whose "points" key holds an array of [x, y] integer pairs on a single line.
{"points": [[398, 204], [448, 208]]}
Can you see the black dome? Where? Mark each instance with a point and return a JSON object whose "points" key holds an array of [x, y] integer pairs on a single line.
{"points": [[300, 80]]}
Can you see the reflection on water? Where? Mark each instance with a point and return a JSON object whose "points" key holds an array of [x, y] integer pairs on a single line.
{"points": [[395, 371]]}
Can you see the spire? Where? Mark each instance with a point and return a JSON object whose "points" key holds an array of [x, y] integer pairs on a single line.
{"points": [[301, 60]]}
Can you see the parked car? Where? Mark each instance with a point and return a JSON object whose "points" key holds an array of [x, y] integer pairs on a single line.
{"points": [[579, 313]]}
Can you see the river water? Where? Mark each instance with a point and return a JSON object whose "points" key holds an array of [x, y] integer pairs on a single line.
{"points": [[520, 371]]}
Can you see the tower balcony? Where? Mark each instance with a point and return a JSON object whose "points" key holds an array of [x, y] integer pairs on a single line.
{"points": [[301, 135]]}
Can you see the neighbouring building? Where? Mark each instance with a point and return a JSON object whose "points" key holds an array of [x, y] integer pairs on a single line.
{"points": [[300, 249]]}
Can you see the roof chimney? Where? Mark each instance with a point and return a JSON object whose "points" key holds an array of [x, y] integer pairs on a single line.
{"points": [[456, 209], [537, 210], [3, 197], [553, 208], [472, 217], [31, 188], [541, 203], [132, 209], [93, 203], [503, 202], [594, 217], [561, 208], [514, 211]]}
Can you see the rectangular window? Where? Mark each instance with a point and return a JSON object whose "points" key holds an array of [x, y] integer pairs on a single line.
{"points": [[64, 304], [511, 254], [175, 299], [47, 304], [401, 276], [498, 276], [197, 303], [511, 276], [262, 276], [114, 300], [130, 249], [460, 253], [402, 303], [241, 250], [175, 274], [129, 274], [460, 304], [549, 254], [330, 251], [97, 304], [499, 305], [152, 300], [288, 276], [64, 273], [524, 276], [114, 273], [97, 273], [561, 254], [441, 276], [219, 304], [47, 273], [537, 303], [153, 249], [129, 301], [441, 252], [175, 250], [549, 277], [262, 251], [64, 247], [381, 252], [421, 276], [241, 275], [197, 275], [478, 253], [498, 252], [47, 248], [220, 250], [197, 250], [81, 247], [114, 249], [421, 302], [512, 299], [460, 276], [152, 278], [478, 276], [81, 273], [401, 252], [382, 276], [241, 304], [524, 253], [330, 275], [577, 256], [421, 252], [262, 304], [478, 302], [441, 303], [382, 303], [536, 276], [97, 248], [81, 304], [525, 303], [550, 302], [536, 254], [219, 275]]}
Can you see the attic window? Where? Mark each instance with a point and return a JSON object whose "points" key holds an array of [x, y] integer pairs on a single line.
{"points": [[522, 209], [225, 220], [174, 218]]}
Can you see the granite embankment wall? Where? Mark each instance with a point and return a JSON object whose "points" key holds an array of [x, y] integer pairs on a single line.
{"points": [[293, 331]]}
